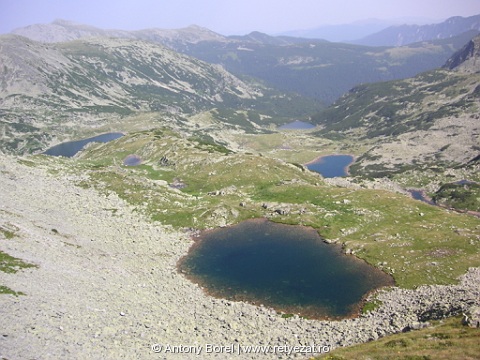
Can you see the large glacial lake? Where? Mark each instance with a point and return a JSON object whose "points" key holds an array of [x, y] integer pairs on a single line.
{"points": [[70, 148], [288, 268]]}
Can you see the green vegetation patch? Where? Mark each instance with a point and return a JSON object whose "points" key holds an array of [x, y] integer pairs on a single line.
{"points": [[8, 263], [8, 234], [7, 291], [371, 306], [208, 143], [444, 340], [11, 265], [464, 196]]}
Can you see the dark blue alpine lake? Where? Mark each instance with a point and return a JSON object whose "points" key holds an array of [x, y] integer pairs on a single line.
{"points": [[332, 165], [70, 148], [288, 268]]}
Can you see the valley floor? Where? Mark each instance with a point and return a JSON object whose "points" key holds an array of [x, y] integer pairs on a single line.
{"points": [[106, 286]]}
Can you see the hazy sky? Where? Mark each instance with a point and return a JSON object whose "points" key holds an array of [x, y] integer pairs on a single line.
{"points": [[225, 16]]}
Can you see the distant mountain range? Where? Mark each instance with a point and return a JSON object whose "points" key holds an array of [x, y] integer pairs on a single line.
{"points": [[316, 69], [390, 33], [250, 82], [407, 34], [344, 32], [368, 33], [63, 30]]}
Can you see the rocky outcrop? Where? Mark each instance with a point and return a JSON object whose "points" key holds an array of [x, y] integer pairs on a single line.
{"points": [[471, 317], [467, 59]]}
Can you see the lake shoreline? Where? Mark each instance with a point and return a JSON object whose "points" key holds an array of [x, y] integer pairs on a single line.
{"points": [[286, 235]]}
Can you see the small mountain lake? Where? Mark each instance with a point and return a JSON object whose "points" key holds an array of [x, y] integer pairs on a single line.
{"points": [[331, 165], [297, 125], [421, 196], [70, 148], [132, 160], [288, 268]]}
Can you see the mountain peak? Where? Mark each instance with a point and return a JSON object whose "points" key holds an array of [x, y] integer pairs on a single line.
{"points": [[61, 30], [197, 27], [63, 22]]}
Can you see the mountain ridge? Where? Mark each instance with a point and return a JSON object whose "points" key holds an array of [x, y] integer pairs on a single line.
{"points": [[64, 56], [407, 34], [466, 59], [315, 69], [427, 120], [61, 30], [348, 32]]}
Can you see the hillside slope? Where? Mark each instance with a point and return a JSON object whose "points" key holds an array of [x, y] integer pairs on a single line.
{"points": [[111, 73], [68, 85], [429, 120]]}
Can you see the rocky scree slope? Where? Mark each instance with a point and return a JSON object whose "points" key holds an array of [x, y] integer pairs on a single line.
{"points": [[467, 59], [110, 73], [106, 284]]}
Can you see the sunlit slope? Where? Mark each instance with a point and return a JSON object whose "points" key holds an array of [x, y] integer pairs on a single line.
{"points": [[445, 339]]}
